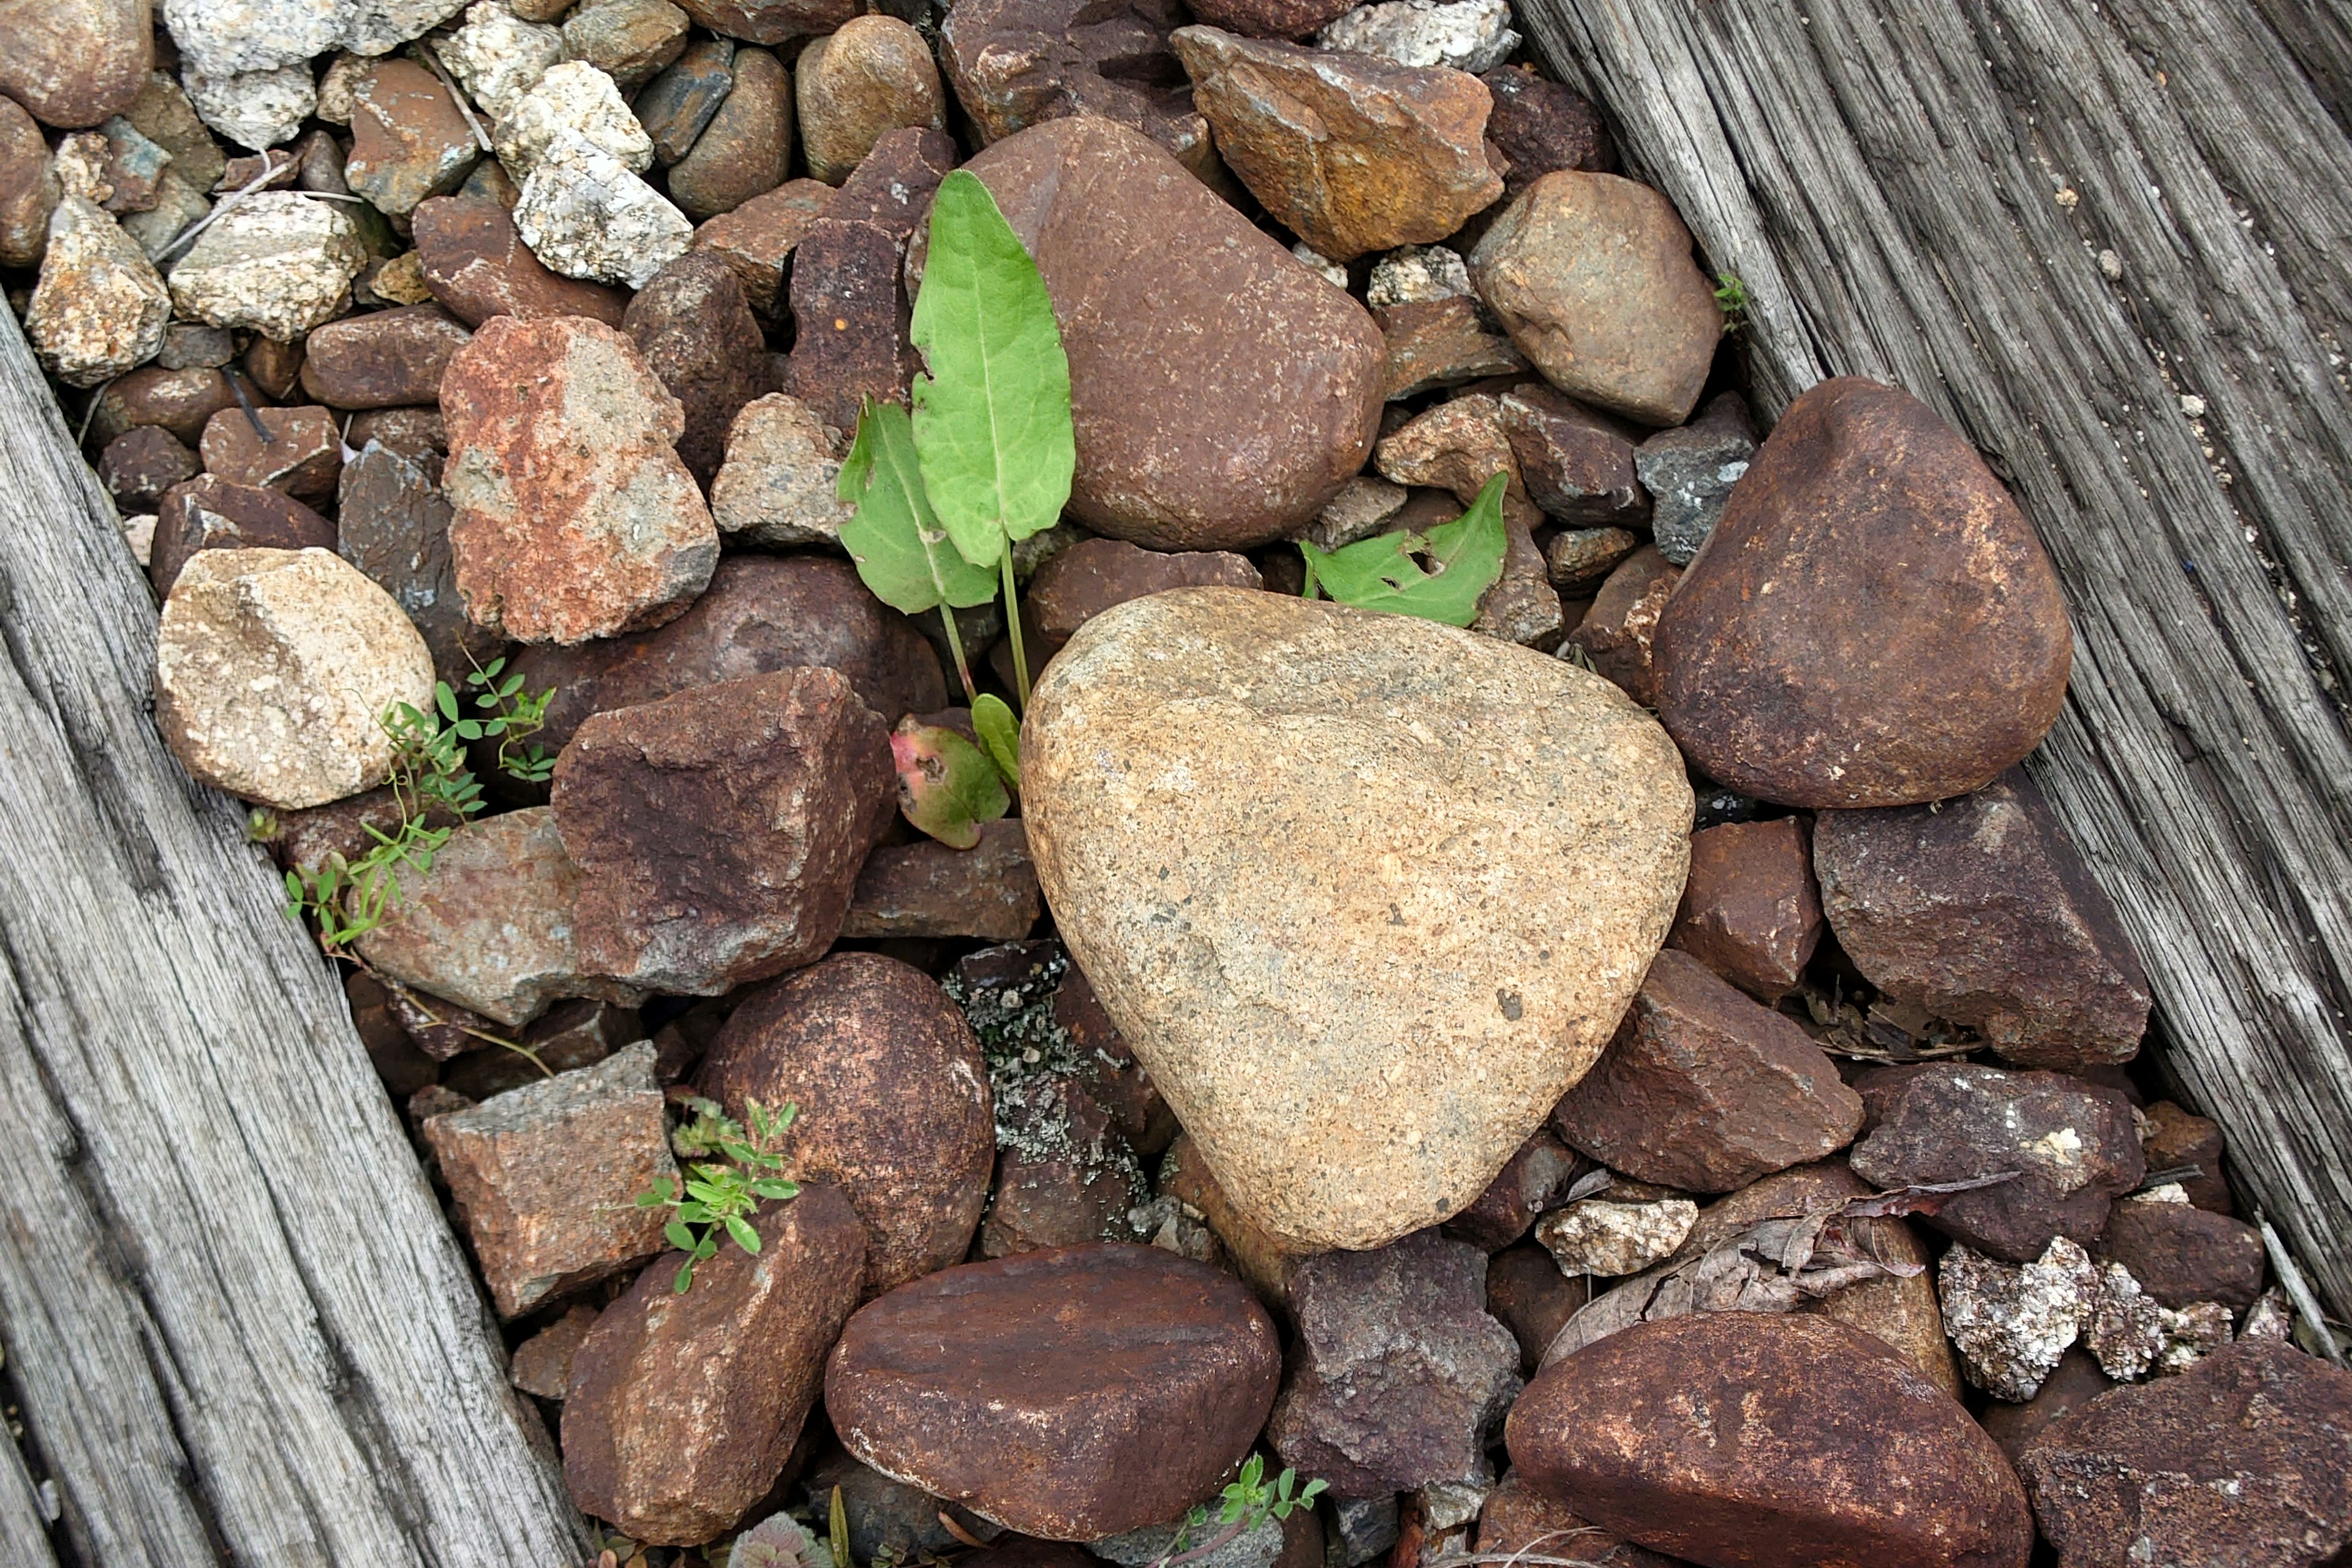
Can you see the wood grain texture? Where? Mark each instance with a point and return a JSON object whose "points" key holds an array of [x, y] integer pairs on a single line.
{"points": [[23, 1533], [240, 1326], [2057, 224]]}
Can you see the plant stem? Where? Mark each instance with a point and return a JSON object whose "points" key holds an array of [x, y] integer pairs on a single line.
{"points": [[1214, 1541], [1012, 619], [955, 646], [1307, 589]]}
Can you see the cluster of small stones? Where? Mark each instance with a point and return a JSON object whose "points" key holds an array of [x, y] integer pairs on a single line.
{"points": [[413, 334]]}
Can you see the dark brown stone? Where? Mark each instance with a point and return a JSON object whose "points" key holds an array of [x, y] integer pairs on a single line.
{"points": [[747, 148], [1070, 1393], [1082, 582], [541, 1365], [209, 513], [2075, 1383], [1706, 1091], [628, 40], [139, 465], [1873, 623], [478, 266], [73, 62], [683, 1409], [302, 453], [1750, 911], [894, 1102], [2072, 1144], [760, 613], [1531, 1183], [395, 1058], [848, 290], [1430, 343], [770, 21], [2245, 1459], [568, 1035], [1238, 331], [1116, 1080], [417, 434], [2172, 1138], [720, 829], [1396, 1377], [1268, 19], [392, 523], [1527, 1294], [274, 367], [29, 190], [1618, 633], [759, 237], [1019, 63], [1541, 127], [180, 401], [1771, 1442], [2180, 1254], [695, 332], [384, 360], [926, 888], [409, 141], [1052, 1201], [1980, 910], [678, 105], [1516, 1517]]}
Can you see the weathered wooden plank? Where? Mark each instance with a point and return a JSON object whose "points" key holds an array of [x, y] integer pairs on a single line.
{"points": [[2058, 223], [241, 1328], [24, 1532]]}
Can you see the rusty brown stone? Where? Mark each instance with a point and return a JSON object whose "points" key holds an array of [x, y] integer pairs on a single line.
{"points": [[894, 1102], [770, 21], [1578, 560], [1532, 1182], [2076, 1381], [409, 142], [74, 62], [1082, 582], [1706, 1091], [1268, 19], [544, 1177], [696, 333], [209, 513], [383, 359], [274, 367], [1516, 1517], [2072, 1144], [1750, 911], [392, 523], [1069, 1393], [1458, 445], [29, 190], [2247, 1457], [720, 829], [1541, 127], [1019, 63], [683, 1409], [746, 149], [574, 516], [760, 613], [1527, 1294], [1619, 633], [1980, 910], [1845, 1453], [929, 890], [759, 237], [1049, 1201], [1432, 343], [1116, 1081], [1353, 154], [417, 433], [478, 266], [2180, 1254], [541, 1365], [180, 401], [2172, 1137], [1578, 464], [139, 465], [1874, 624], [303, 454]]}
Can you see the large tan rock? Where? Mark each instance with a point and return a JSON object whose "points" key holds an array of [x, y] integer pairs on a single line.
{"points": [[1365, 894]]}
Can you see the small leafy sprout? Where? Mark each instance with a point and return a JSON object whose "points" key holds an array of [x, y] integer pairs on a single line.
{"points": [[1440, 576], [513, 719], [1247, 1502], [839, 1522], [947, 785], [731, 1171], [999, 735], [780, 1541], [1731, 299]]}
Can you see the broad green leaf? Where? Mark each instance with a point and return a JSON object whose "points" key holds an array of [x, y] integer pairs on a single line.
{"points": [[1465, 558], [993, 419], [999, 735], [902, 550], [946, 787]]}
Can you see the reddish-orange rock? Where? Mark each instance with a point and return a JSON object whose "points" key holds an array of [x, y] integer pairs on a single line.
{"points": [[478, 266], [1750, 911]]}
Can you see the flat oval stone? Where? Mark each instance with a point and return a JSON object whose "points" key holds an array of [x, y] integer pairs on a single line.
{"points": [[1365, 894], [1068, 1394]]}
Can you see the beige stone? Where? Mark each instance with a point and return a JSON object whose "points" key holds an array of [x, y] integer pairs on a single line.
{"points": [[778, 486], [274, 669], [855, 86], [99, 309], [1365, 894]]}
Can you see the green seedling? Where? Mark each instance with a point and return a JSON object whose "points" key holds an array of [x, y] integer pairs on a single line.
{"points": [[729, 1172], [1248, 1501], [1731, 299], [947, 785]]}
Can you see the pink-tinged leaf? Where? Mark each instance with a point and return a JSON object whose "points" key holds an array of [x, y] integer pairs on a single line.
{"points": [[947, 785]]}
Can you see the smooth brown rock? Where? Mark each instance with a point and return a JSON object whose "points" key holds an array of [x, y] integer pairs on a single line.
{"points": [[1068, 1394], [1980, 910], [719, 830], [1243, 338], [1532, 1182], [1087, 579], [2171, 1138], [180, 401], [276, 368], [747, 148], [1541, 127], [1592, 276], [574, 516], [29, 190], [929, 890], [1527, 1294], [1516, 1517], [139, 467], [392, 523], [1874, 624], [2180, 1254], [691, 323], [1268, 19], [683, 1409], [1776, 1442], [1750, 911], [1440, 343], [1581, 559], [2075, 1383], [1351, 152], [770, 21], [2245, 1459], [872, 77], [383, 359], [628, 40], [409, 142], [1706, 1091], [73, 62], [417, 433], [544, 1177], [302, 453], [1617, 635], [478, 266], [758, 238], [2072, 1144], [209, 513], [894, 1102], [761, 614], [1577, 465], [1019, 63]]}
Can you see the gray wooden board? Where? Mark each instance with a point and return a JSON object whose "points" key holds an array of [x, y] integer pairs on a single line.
{"points": [[240, 1326], [2055, 222]]}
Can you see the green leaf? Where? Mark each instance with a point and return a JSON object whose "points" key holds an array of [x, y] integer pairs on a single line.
{"points": [[1465, 558], [774, 1189], [685, 1280], [897, 539], [999, 735], [993, 419], [946, 787], [745, 1236], [679, 1237]]}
